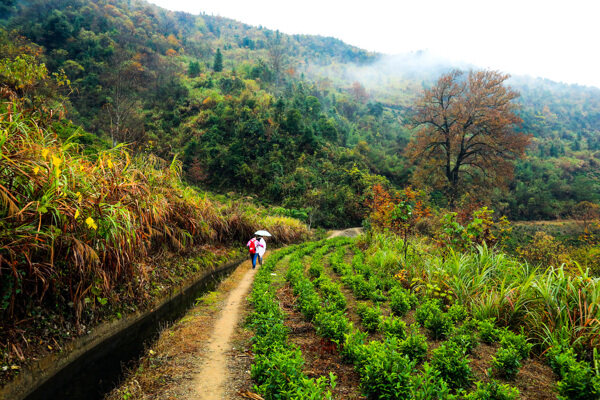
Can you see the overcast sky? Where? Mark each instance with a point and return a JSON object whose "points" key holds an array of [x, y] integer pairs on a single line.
{"points": [[553, 39]]}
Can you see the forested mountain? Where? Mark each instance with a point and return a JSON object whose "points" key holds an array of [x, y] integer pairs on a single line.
{"points": [[305, 122]]}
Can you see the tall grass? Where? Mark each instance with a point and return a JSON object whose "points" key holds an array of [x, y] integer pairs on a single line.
{"points": [[553, 305]]}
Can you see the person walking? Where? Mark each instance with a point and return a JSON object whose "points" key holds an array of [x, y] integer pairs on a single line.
{"points": [[252, 247], [261, 248]]}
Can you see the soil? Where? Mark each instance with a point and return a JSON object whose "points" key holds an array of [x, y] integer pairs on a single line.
{"points": [[210, 381], [320, 355], [175, 366]]}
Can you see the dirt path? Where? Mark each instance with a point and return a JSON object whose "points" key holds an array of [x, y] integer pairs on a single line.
{"points": [[209, 382], [350, 232]]}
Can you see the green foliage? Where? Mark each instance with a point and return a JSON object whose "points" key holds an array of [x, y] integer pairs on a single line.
{"points": [[457, 313], [518, 342], [399, 301], [277, 368], [370, 317], [506, 363], [414, 347], [438, 323], [488, 333], [493, 391], [429, 385], [385, 373], [426, 309], [393, 327], [332, 325], [452, 363], [579, 382]]}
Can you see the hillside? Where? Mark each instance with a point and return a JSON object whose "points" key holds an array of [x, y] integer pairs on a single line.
{"points": [[305, 122]]}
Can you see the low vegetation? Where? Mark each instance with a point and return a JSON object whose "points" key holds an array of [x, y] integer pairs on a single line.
{"points": [[452, 307]]}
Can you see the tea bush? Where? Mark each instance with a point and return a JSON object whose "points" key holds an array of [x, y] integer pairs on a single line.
{"points": [[453, 365], [370, 317], [429, 385], [457, 313], [516, 341], [332, 325], [493, 390], [506, 363], [579, 382], [385, 373], [488, 333], [399, 301], [423, 311], [414, 346], [394, 327], [438, 323]]}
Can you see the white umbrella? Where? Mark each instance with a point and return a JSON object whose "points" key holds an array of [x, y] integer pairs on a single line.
{"points": [[262, 233]]}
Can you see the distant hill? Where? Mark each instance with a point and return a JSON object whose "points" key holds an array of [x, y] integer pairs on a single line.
{"points": [[303, 121]]}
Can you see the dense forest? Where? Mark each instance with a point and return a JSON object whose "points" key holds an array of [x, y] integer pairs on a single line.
{"points": [[305, 122]]}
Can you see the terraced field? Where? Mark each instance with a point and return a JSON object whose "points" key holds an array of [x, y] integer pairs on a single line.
{"points": [[327, 324]]}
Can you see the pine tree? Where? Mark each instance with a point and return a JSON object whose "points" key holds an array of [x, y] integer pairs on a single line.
{"points": [[218, 64], [194, 69]]}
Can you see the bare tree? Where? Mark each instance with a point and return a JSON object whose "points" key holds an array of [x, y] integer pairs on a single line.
{"points": [[277, 55], [124, 81]]}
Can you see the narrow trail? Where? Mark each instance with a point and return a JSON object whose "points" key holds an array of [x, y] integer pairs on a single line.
{"points": [[350, 232], [209, 383]]}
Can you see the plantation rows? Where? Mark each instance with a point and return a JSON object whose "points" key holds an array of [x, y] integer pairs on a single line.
{"points": [[406, 346]]}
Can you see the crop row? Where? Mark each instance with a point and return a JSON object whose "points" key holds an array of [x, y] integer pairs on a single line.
{"points": [[577, 379], [386, 367], [277, 367]]}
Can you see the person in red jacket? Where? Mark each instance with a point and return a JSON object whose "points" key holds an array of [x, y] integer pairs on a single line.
{"points": [[253, 245]]}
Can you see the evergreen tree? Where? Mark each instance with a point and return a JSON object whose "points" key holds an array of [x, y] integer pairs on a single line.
{"points": [[194, 69], [218, 64]]}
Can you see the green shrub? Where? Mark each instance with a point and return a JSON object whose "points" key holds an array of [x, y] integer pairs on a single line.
{"points": [[457, 312], [274, 371], [560, 358], [361, 288], [399, 301], [370, 317], [414, 347], [488, 333], [352, 348], [332, 325], [425, 309], [453, 365], [516, 341], [578, 380], [465, 339], [506, 363], [429, 385], [385, 373], [493, 391], [315, 270], [393, 327], [438, 324]]}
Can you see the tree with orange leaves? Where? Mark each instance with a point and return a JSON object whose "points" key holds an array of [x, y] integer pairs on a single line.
{"points": [[398, 212], [467, 133]]}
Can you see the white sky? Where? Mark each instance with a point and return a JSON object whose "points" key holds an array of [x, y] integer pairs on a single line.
{"points": [[559, 40]]}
